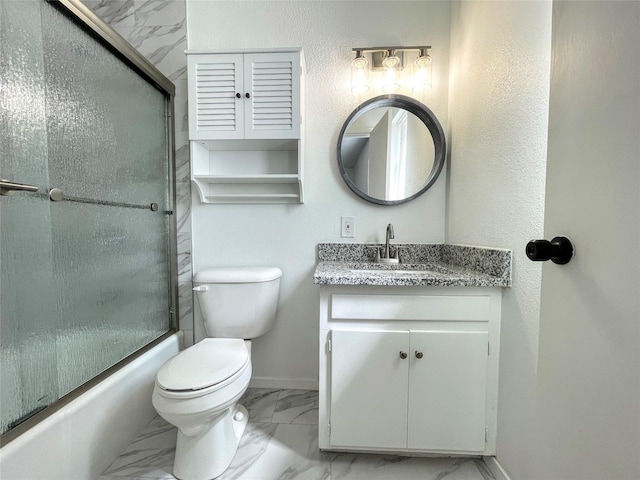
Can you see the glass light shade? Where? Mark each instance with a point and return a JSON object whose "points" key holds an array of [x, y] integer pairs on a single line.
{"points": [[422, 73], [359, 75], [390, 81]]}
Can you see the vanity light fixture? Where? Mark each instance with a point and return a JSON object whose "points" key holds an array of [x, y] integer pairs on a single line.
{"points": [[387, 64]]}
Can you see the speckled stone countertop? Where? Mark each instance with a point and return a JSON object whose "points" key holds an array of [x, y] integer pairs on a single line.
{"points": [[421, 264]]}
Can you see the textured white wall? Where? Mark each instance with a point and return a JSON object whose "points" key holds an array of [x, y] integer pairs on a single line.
{"points": [[499, 89], [286, 235]]}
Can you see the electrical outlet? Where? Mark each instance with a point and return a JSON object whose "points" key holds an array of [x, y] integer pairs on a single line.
{"points": [[348, 227]]}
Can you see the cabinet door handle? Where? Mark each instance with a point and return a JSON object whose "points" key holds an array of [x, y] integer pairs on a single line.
{"points": [[419, 354], [238, 95], [247, 95], [403, 355]]}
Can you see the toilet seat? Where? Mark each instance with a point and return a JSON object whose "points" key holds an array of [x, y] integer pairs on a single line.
{"points": [[204, 365]]}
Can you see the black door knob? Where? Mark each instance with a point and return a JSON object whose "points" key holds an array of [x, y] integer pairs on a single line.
{"points": [[248, 95], [559, 250], [238, 95]]}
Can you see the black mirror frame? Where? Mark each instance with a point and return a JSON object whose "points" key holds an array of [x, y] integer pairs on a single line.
{"points": [[420, 111]]}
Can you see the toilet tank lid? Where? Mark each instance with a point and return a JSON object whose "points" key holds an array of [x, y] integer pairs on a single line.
{"points": [[237, 275]]}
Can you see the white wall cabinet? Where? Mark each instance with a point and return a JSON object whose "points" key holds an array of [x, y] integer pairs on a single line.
{"points": [[409, 369], [245, 126], [244, 95]]}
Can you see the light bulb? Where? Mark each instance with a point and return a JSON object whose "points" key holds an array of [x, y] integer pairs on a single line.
{"points": [[359, 74], [393, 64], [390, 82], [422, 73]]}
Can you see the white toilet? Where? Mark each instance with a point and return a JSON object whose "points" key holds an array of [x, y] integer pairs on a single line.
{"points": [[198, 389]]}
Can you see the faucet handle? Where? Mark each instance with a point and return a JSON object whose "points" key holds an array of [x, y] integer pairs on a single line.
{"points": [[377, 259], [397, 254]]}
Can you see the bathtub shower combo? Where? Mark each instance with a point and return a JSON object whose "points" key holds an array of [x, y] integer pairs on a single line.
{"points": [[87, 250]]}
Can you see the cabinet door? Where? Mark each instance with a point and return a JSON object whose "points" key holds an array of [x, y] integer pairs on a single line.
{"points": [[447, 391], [369, 389], [215, 111], [273, 82]]}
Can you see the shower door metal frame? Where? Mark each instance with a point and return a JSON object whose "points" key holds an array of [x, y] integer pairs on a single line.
{"points": [[108, 37]]}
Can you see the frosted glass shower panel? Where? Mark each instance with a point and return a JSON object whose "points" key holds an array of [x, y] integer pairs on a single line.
{"points": [[28, 369], [107, 131], [86, 281], [113, 269], [107, 125]]}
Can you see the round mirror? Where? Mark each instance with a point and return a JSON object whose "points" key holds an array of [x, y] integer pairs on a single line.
{"points": [[391, 149]]}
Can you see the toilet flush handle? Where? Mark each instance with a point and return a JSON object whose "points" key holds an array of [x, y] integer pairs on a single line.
{"points": [[200, 288]]}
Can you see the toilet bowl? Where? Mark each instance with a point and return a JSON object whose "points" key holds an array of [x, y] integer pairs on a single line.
{"points": [[198, 389]]}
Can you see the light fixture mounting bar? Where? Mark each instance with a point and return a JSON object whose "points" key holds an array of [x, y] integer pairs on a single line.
{"points": [[383, 49]]}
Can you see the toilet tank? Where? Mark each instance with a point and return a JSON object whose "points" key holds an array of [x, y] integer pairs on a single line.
{"points": [[237, 302]]}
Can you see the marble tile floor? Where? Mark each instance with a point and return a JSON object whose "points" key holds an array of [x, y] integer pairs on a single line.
{"points": [[281, 442]]}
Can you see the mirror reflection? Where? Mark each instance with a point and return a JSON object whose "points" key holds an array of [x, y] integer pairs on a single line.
{"points": [[391, 149], [388, 153]]}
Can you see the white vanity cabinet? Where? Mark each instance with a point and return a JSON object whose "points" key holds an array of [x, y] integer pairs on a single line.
{"points": [[409, 369], [245, 125]]}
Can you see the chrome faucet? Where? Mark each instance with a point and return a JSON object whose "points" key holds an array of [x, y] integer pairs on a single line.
{"points": [[390, 235], [386, 255]]}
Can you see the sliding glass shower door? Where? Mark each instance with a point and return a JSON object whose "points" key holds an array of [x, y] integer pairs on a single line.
{"points": [[85, 208]]}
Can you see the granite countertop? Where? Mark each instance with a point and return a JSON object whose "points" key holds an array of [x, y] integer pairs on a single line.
{"points": [[422, 265]]}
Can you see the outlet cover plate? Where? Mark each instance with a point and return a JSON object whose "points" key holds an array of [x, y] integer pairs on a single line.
{"points": [[347, 227]]}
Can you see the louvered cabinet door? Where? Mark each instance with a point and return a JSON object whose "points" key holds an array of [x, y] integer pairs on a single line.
{"points": [[273, 83], [215, 111]]}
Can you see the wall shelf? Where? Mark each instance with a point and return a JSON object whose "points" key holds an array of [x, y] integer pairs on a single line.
{"points": [[268, 172], [287, 178], [245, 198]]}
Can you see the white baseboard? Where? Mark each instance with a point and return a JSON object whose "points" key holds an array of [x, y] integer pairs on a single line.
{"points": [[495, 468], [284, 383]]}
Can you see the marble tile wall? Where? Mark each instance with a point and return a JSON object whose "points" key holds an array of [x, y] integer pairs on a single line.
{"points": [[157, 29]]}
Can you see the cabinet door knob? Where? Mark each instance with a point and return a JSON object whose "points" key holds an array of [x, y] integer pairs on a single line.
{"points": [[419, 354], [247, 95], [403, 355], [238, 95]]}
